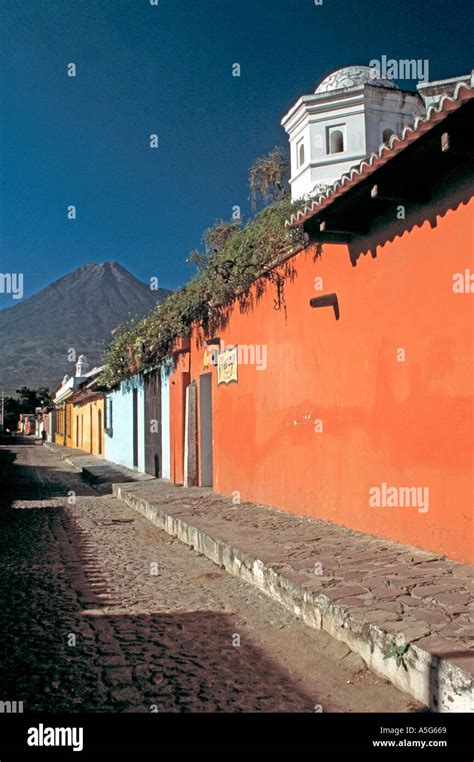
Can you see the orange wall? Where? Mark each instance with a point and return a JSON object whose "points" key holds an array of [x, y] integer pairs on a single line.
{"points": [[408, 424], [70, 430], [178, 381]]}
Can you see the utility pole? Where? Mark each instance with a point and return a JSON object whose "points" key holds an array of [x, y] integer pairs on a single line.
{"points": [[2, 411]]}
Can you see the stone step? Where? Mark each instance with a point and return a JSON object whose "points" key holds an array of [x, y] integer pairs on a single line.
{"points": [[435, 670]]}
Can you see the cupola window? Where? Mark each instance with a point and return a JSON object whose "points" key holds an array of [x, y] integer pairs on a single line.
{"points": [[300, 153], [336, 141]]}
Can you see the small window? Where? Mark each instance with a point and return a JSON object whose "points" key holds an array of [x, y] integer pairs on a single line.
{"points": [[336, 141], [108, 414], [387, 134], [300, 153]]}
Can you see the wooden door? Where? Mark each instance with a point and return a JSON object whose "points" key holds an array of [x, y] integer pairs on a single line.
{"points": [[153, 455]]}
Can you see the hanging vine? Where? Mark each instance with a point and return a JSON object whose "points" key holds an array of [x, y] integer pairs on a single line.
{"points": [[234, 259]]}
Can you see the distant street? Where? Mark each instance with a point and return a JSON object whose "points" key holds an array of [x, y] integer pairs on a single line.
{"points": [[103, 612]]}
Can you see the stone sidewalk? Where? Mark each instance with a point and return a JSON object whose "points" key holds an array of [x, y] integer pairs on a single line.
{"points": [[154, 623], [98, 472], [364, 591]]}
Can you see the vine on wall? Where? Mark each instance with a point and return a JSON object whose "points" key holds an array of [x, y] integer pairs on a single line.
{"points": [[234, 258]]}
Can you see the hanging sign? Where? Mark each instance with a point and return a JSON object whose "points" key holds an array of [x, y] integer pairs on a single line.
{"points": [[227, 366]]}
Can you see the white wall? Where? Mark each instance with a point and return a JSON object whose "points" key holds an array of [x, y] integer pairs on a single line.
{"points": [[362, 112]]}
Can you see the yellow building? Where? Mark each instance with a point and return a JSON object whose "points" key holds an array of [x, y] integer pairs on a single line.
{"points": [[87, 421], [63, 423], [79, 410]]}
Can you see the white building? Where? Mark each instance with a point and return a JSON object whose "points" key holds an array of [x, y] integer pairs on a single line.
{"points": [[347, 118], [70, 383]]}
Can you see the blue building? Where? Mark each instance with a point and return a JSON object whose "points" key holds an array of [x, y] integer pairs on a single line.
{"points": [[124, 440], [137, 422]]}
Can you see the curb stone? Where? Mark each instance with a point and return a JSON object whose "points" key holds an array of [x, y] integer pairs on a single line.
{"points": [[440, 684]]}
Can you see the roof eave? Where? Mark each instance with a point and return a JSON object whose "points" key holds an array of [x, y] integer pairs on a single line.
{"points": [[386, 151]]}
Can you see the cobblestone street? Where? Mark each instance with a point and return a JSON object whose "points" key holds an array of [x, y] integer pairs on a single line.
{"points": [[101, 611]]}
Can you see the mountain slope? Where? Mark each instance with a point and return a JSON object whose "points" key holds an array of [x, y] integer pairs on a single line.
{"points": [[76, 312]]}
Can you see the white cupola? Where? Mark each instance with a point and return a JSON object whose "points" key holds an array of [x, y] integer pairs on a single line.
{"points": [[347, 118], [82, 366]]}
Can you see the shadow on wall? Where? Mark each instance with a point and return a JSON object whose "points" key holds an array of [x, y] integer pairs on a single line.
{"points": [[248, 299], [451, 194], [389, 227]]}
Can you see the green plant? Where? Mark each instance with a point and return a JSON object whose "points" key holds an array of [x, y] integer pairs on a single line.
{"points": [[214, 239], [397, 651], [268, 177], [235, 258]]}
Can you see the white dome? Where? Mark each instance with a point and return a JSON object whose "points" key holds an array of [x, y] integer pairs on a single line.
{"points": [[353, 76]]}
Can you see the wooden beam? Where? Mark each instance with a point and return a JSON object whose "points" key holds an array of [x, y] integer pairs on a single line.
{"points": [[457, 145], [318, 237], [445, 142], [326, 300], [416, 196], [329, 228]]}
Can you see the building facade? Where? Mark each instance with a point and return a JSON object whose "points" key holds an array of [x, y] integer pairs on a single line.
{"points": [[355, 403], [137, 422], [346, 119], [125, 424], [88, 421], [78, 410]]}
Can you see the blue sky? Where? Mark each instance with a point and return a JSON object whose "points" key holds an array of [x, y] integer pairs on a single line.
{"points": [[167, 69]]}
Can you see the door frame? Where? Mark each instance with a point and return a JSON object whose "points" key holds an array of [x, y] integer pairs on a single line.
{"points": [[135, 426], [206, 441]]}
